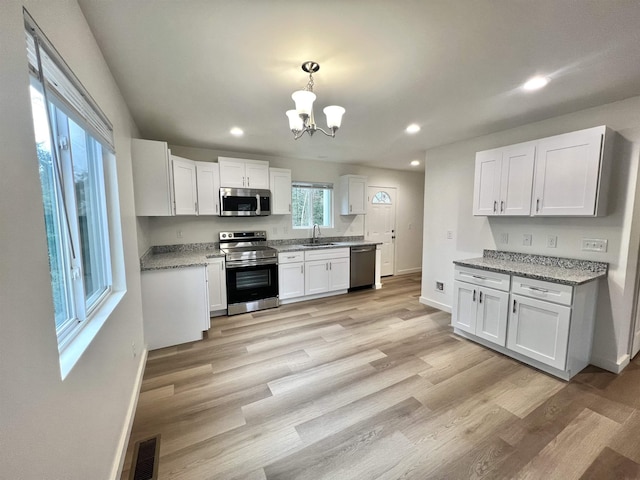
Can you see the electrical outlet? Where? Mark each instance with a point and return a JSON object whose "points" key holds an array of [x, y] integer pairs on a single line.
{"points": [[439, 286], [504, 238], [179, 233], [552, 241], [594, 245], [449, 234], [527, 239], [133, 349]]}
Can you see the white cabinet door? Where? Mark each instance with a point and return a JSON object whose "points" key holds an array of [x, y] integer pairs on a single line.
{"points": [[217, 284], [280, 186], [208, 181], [463, 315], [231, 172], [486, 188], [240, 173], [174, 305], [257, 174], [316, 277], [339, 274], [353, 192], [291, 280], [491, 319], [184, 186], [539, 330], [152, 182], [567, 173], [516, 181]]}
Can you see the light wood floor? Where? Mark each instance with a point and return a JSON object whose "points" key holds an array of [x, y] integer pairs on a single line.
{"points": [[374, 385]]}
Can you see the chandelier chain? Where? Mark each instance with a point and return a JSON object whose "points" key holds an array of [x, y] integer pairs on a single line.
{"points": [[310, 84]]}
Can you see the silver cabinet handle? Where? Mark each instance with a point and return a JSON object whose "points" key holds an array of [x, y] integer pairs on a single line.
{"points": [[301, 268], [480, 300], [514, 305], [501, 206], [495, 206], [479, 277], [538, 289], [474, 295], [329, 265], [537, 205]]}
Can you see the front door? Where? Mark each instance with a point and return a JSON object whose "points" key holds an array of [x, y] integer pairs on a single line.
{"points": [[380, 224]]}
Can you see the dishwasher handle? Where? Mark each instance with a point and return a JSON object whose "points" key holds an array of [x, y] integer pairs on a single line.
{"points": [[363, 249]]}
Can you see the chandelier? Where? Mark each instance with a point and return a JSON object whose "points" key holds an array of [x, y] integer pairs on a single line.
{"points": [[301, 119]]}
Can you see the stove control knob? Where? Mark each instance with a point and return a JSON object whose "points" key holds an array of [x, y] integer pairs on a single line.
{"points": [[224, 235]]}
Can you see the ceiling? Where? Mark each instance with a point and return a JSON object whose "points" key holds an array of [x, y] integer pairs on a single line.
{"points": [[191, 70]]}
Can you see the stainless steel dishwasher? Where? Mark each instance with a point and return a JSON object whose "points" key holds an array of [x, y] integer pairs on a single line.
{"points": [[363, 266]]}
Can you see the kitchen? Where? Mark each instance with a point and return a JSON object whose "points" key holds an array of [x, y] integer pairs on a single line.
{"points": [[95, 401]]}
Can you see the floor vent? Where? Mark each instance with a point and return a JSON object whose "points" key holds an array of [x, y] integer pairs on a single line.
{"points": [[145, 459]]}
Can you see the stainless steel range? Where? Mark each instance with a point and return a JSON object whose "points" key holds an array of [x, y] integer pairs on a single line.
{"points": [[252, 271]]}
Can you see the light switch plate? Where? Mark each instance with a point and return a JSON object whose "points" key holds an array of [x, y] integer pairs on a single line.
{"points": [[552, 241], [594, 245]]}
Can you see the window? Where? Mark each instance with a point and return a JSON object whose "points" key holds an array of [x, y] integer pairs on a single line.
{"points": [[76, 161], [312, 204], [381, 197]]}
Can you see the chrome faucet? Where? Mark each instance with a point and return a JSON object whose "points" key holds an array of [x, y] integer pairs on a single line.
{"points": [[314, 238]]}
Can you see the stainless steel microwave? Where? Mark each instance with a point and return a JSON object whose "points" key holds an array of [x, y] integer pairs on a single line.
{"points": [[244, 202]]}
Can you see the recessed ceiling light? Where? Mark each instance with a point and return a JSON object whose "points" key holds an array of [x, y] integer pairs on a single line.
{"points": [[236, 132], [413, 128], [535, 83], [415, 163]]}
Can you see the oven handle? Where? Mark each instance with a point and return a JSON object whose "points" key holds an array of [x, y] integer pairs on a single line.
{"points": [[251, 263]]}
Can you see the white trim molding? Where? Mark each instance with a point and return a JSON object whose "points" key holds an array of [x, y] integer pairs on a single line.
{"points": [[432, 303], [614, 367]]}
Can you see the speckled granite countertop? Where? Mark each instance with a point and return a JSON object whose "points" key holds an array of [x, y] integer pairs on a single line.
{"points": [[197, 254], [568, 271], [179, 256]]}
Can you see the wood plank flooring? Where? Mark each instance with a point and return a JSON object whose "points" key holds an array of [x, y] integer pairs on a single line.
{"points": [[374, 385]]}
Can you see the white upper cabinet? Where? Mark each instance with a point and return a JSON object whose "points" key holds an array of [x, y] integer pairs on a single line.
{"points": [[572, 173], [504, 180], [353, 195], [240, 173], [208, 180], [564, 175], [152, 178], [184, 186], [280, 186]]}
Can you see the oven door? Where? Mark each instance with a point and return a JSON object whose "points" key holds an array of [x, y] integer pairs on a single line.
{"points": [[249, 283]]}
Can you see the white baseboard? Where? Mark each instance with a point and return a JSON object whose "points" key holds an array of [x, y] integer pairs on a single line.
{"points": [[432, 303], [409, 270], [116, 470], [608, 365]]}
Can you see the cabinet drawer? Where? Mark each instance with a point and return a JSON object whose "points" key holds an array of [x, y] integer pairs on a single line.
{"points": [[290, 257], [326, 254], [551, 292], [499, 281]]}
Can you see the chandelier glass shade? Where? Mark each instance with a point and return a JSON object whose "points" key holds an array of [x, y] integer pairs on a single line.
{"points": [[301, 119]]}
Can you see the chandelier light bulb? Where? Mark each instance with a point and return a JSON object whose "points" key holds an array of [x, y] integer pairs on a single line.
{"points": [[334, 115], [295, 121], [304, 101]]}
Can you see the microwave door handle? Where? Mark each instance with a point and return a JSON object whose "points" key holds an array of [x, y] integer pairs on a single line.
{"points": [[257, 204]]}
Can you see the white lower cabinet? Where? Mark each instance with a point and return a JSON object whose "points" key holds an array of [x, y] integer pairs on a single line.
{"points": [[313, 272], [174, 305], [539, 330], [480, 310], [217, 286], [545, 324], [290, 275]]}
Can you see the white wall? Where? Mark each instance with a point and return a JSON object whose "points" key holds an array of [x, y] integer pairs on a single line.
{"points": [[448, 206], [49, 428], [410, 185]]}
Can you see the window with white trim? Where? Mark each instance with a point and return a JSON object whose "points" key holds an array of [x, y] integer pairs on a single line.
{"points": [[312, 204], [74, 144]]}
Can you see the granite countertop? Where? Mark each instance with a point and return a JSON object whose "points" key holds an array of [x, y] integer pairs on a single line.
{"points": [[198, 254], [567, 271]]}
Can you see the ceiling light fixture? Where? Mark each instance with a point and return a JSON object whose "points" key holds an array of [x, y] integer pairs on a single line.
{"points": [[413, 128], [301, 119], [236, 132], [535, 83], [415, 163]]}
